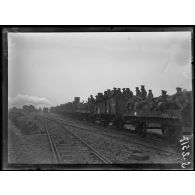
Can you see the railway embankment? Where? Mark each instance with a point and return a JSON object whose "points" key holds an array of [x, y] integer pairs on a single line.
{"points": [[28, 147]]}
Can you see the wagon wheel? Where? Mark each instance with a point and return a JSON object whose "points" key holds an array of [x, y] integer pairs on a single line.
{"points": [[138, 128], [141, 129], [172, 133], [144, 129], [119, 124], [106, 123]]}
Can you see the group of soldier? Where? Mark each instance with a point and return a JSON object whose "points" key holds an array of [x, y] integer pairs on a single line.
{"points": [[141, 102], [125, 92], [132, 101]]}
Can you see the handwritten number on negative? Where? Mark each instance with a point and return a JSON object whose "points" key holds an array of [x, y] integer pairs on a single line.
{"points": [[184, 154], [184, 164], [185, 147], [184, 139]]}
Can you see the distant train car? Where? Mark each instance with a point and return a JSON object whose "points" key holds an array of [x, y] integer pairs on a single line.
{"points": [[29, 108], [45, 109]]}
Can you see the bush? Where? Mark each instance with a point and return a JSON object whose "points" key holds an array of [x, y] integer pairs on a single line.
{"points": [[26, 124]]}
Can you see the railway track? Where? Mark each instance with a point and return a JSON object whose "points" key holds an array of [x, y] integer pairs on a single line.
{"points": [[117, 137], [68, 146], [158, 138]]}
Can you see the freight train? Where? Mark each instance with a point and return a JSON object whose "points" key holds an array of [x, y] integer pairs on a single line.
{"points": [[170, 113]]}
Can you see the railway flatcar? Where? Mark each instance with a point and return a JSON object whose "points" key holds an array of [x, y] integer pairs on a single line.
{"points": [[171, 114], [143, 111]]}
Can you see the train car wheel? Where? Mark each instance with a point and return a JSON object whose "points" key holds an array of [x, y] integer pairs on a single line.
{"points": [[105, 123], [172, 133], [138, 128], [143, 130], [119, 124]]}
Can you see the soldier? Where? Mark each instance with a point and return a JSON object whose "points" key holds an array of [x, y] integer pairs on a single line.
{"points": [[105, 94], [143, 92], [119, 91], [150, 95], [100, 95], [130, 105], [97, 97], [129, 92], [178, 90], [163, 93], [138, 92], [91, 99], [162, 102], [114, 91], [124, 91], [150, 102], [108, 92], [89, 103]]}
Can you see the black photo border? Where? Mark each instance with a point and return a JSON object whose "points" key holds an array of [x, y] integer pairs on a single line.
{"points": [[73, 29]]}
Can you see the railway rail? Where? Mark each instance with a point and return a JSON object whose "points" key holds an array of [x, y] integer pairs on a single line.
{"points": [[60, 150], [117, 137], [155, 138]]}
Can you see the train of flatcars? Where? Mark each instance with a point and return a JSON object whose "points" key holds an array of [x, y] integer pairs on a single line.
{"points": [[170, 113]]}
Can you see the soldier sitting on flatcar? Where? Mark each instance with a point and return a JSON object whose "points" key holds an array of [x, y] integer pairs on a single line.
{"points": [[179, 90], [143, 92], [118, 91], [163, 93], [130, 105], [104, 94], [90, 103], [108, 93], [138, 92], [124, 92], [96, 98], [162, 101], [91, 99], [177, 100], [91, 96], [114, 91], [150, 101], [150, 95], [129, 92]]}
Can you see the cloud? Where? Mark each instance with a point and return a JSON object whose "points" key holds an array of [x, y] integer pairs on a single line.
{"points": [[22, 99]]}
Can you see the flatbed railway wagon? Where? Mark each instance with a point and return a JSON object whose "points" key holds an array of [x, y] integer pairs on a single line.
{"points": [[170, 113], [115, 109]]}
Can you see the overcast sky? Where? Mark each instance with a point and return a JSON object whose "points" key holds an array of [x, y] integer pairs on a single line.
{"points": [[53, 68]]}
